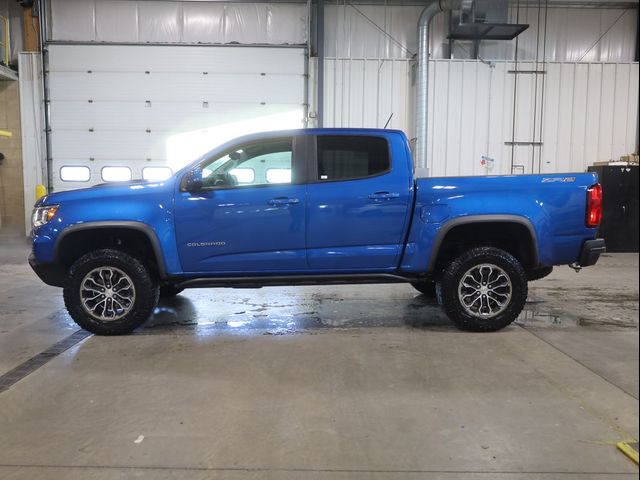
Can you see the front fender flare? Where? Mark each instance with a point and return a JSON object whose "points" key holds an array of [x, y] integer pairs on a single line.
{"points": [[131, 225]]}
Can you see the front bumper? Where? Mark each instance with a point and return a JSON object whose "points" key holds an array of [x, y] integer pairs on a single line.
{"points": [[50, 273], [591, 250]]}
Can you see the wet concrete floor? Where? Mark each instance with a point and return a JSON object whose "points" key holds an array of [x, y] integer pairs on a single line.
{"points": [[325, 382]]}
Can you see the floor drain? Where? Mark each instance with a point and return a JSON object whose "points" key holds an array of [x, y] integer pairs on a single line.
{"points": [[29, 366]]}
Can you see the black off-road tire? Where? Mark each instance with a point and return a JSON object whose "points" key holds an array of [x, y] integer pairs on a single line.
{"points": [[169, 290], [538, 273], [447, 289], [427, 288], [146, 292]]}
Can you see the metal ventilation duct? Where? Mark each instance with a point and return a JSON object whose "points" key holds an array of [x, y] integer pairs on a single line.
{"points": [[422, 79], [476, 20], [485, 20]]}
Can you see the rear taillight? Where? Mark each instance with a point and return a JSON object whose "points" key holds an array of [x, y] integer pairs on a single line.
{"points": [[594, 205]]}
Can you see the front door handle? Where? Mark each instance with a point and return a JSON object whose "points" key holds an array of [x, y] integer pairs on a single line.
{"points": [[380, 196], [279, 201]]}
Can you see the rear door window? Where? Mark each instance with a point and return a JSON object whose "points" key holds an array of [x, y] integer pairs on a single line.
{"points": [[344, 157]]}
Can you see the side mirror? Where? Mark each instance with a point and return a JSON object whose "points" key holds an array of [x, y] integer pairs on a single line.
{"points": [[193, 180]]}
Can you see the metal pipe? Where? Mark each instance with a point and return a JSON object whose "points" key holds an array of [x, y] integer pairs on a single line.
{"points": [[320, 50], [44, 37], [422, 79], [307, 60]]}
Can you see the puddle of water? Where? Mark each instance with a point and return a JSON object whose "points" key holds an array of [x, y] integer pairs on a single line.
{"points": [[286, 311], [534, 316]]}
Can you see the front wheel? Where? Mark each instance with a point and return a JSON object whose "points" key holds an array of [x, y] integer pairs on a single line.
{"points": [[483, 290], [109, 292]]}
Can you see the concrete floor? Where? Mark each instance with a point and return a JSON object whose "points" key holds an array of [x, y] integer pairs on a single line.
{"points": [[362, 382]]}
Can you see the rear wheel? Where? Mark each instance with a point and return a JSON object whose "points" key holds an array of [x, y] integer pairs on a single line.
{"points": [[483, 290], [109, 292]]}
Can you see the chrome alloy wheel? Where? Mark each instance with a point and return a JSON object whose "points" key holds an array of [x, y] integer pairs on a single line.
{"points": [[107, 293], [485, 290]]}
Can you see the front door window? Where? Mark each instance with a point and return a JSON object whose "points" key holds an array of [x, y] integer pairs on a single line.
{"points": [[264, 163]]}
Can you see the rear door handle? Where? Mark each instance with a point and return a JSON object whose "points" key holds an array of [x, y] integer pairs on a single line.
{"points": [[283, 201], [380, 196]]}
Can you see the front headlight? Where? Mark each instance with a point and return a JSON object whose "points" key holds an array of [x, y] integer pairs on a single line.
{"points": [[42, 215]]}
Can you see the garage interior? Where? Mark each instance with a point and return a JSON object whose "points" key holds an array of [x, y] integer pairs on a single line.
{"points": [[320, 382]]}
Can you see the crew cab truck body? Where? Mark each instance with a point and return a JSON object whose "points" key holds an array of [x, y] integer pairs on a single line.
{"points": [[317, 206]]}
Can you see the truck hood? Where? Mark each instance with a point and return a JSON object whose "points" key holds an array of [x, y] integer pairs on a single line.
{"points": [[107, 191]]}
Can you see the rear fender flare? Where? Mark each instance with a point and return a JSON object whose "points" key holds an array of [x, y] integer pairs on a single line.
{"points": [[470, 219]]}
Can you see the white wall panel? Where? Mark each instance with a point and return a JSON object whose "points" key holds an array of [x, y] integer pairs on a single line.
{"points": [[570, 33], [200, 22], [118, 21], [203, 20], [72, 20], [161, 116], [161, 22], [356, 31], [364, 93], [106, 111], [588, 113], [175, 87], [82, 58]]}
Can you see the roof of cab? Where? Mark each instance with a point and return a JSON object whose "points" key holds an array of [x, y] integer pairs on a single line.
{"points": [[316, 131], [256, 137]]}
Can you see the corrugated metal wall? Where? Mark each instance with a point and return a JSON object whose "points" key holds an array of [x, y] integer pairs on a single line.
{"points": [[379, 31], [570, 34], [365, 93], [588, 112], [579, 112]]}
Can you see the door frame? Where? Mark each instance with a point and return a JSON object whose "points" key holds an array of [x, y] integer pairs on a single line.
{"points": [[312, 156], [300, 149]]}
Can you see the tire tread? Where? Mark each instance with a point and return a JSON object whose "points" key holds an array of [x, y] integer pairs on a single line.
{"points": [[447, 289], [147, 291]]}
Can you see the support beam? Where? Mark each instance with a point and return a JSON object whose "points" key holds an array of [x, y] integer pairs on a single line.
{"points": [[30, 31], [320, 50]]}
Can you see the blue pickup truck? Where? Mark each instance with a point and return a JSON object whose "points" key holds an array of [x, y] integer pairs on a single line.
{"points": [[311, 207]]}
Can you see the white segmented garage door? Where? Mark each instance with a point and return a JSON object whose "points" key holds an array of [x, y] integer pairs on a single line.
{"points": [[147, 108]]}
